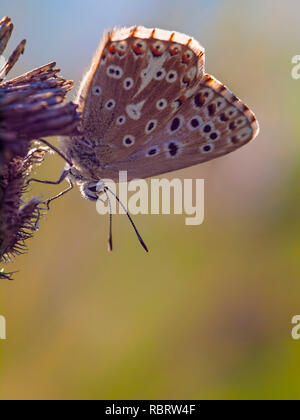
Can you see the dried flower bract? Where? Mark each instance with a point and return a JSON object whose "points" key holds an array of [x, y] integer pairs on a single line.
{"points": [[32, 106]]}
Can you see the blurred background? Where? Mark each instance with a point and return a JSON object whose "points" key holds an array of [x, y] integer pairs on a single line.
{"points": [[207, 314]]}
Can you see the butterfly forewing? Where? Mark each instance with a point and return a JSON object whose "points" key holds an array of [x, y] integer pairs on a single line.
{"points": [[148, 108]]}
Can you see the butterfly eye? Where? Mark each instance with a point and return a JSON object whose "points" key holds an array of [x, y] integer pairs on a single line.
{"points": [[161, 104], [128, 83], [93, 189], [160, 74], [172, 76], [110, 104], [207, 148], [129, 140], [97, 90]]}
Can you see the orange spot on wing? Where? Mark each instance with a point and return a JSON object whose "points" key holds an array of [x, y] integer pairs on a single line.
{"points": [[182, 99], [153, 34], [156, 51], [137, 49], [186, 59], [174, 50], [186, 80], [112, 49]]}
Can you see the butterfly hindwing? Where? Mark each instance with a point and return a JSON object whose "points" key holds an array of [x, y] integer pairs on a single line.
{"points": [[211, 123]]}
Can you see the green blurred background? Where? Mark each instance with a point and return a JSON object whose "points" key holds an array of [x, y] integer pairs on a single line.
{"points": [[207, 314]]}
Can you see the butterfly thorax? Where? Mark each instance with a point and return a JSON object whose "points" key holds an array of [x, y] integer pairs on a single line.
{"points": [[88, 157], [91, 160]]}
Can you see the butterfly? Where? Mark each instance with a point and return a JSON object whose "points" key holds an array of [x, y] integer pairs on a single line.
{"points": [[148, 108]]}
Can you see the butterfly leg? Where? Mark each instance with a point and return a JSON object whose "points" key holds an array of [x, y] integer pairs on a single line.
{"points": [[59, 181], [47, 202]]}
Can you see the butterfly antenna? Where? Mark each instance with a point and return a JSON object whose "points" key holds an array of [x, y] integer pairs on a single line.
{"points": [[56, 150], [130, 219], [110, 241]]}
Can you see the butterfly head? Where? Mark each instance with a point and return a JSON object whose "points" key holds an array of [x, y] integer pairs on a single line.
{"points": [[92, 190]]}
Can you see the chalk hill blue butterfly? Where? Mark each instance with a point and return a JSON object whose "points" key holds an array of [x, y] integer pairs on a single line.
{"points": [[148, 108]]}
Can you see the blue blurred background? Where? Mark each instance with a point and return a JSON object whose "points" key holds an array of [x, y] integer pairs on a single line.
{"points": [[207, 314]]}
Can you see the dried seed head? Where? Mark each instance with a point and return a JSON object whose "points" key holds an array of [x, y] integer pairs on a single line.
{"points": [[18, 221], [31, 107]]}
